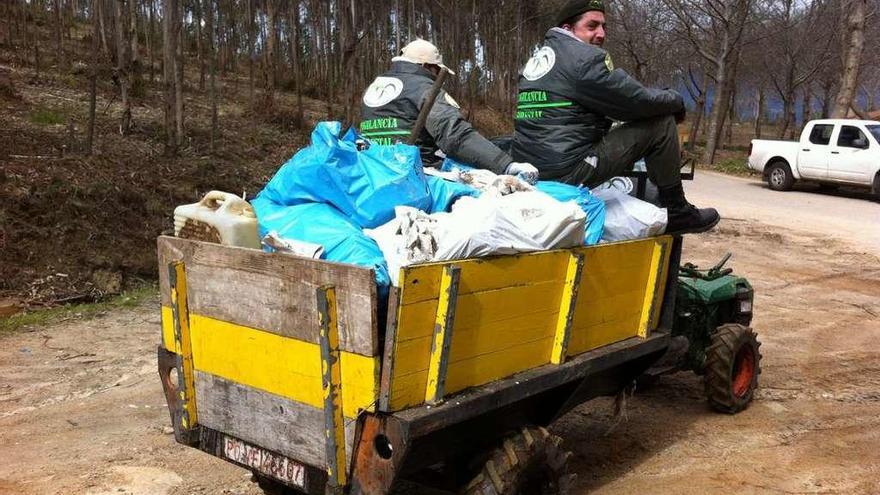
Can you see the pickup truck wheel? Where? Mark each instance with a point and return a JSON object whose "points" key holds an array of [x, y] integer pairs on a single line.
{"points": [[530, 462], [779, 176], [733, 363], [877, 187]]}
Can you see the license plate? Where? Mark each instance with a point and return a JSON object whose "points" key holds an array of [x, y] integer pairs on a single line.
{"points": [[274, 465]]}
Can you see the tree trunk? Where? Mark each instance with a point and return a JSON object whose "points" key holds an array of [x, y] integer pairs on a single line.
{"points": [[808, 107], [293, 21], [169, 73], [731, 116], [178, 73], [270, 56], [93, 82], [719, 110], [151, 41], [61, 60], [134, 59], [122, 67], [698, 116], [852, 56], [212, 68], [759, 112], [250, 23], [787, 114], [197, 12]]}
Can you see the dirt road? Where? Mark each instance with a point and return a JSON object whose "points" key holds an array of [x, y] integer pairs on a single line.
{"points": [[81, 410]]}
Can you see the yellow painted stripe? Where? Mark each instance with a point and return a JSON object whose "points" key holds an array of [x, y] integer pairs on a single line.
{"points": [[183, 344], [279, 365], [651, 289], [566, 309], [443, 327], [331, 383]]}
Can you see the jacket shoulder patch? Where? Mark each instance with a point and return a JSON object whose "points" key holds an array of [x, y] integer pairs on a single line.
{"points": [[383, 91], [540, 64]]}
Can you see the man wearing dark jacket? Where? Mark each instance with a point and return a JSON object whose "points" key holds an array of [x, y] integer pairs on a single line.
{"points": [[391, 107], [569, 91]]}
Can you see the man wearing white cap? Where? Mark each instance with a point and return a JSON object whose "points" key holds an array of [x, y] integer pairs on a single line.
{"points": [[391, 107]]}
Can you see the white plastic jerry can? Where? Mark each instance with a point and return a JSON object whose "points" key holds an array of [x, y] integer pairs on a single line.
{"points": [[220, 217]]}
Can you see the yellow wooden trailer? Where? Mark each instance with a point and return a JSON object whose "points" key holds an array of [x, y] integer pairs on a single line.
{"points": [[278, 363]]}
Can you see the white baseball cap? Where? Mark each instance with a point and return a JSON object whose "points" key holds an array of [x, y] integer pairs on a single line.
{"points": [[421, 52]]}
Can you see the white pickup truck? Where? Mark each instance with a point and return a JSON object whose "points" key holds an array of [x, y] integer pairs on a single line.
{"points": [[837, 151]]}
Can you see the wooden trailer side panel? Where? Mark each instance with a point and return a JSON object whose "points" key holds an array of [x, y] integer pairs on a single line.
{"points": [[513, 312], [261, 353]]}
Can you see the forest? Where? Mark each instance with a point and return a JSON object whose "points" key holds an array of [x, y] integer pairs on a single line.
{"points": [[121, 109]]}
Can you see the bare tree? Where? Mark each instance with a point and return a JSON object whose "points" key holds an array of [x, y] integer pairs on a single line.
{"points": [[715, 29], [93, 78], [852, 56], [170, 34], [123, 66]]}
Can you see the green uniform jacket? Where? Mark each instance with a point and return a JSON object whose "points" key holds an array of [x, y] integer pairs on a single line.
{"points": [[391, 106], [567, 93]]}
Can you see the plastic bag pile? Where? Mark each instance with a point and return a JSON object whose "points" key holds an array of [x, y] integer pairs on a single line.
{"points": [[331, 191]]}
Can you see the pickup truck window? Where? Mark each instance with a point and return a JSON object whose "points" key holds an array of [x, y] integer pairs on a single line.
{"points": [[821, 133], [875, 130], [849, 135]]}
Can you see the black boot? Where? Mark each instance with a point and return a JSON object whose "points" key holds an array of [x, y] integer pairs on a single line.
{"points": [[683, 217]]}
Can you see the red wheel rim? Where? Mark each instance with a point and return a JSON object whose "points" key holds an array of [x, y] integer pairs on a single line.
{"points": [[743, 370]]}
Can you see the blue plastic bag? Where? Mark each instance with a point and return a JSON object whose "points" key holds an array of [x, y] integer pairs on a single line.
{"points": [[323, 224], [445, 193], [591, 205], [364, 185]]}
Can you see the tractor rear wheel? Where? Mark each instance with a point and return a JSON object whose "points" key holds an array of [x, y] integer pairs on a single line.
{"points": [[530, 462], [733, 363]]}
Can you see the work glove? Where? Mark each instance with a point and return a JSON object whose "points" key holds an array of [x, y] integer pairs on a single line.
{"points": [[525, 171]]}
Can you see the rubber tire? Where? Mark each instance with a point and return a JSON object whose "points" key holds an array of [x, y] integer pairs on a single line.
{"points": [[729, 342], [877, 187], [530, 456], [787, 180]]}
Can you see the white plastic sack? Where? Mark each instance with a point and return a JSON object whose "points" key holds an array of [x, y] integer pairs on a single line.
{"points": [[515, 223], [629, 218], [476, 227]]}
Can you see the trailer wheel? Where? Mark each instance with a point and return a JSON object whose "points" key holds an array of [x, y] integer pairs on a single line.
{"points": [[779, 176], [733, 363], [530, 462]]}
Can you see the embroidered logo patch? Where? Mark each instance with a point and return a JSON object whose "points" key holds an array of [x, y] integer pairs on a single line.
{"points": [[540, 64], [608, 62], [383, 91]]}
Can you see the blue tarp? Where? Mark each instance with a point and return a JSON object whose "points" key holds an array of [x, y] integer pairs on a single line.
{"points": [[321, 223], [364, 185], [329, 192]]}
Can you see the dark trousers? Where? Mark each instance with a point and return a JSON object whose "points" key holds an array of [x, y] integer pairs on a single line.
{"points": [[655, 140]]}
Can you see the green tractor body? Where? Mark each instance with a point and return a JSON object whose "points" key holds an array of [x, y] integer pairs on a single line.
{"points": [[711, 335]]}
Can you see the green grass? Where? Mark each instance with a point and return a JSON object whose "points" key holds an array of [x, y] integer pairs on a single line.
{"points": [[47, 116], [732, 166], [128, 299]]}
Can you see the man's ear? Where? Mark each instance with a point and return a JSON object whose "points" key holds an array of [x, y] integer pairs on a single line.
{"points": [[567, 27]]}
